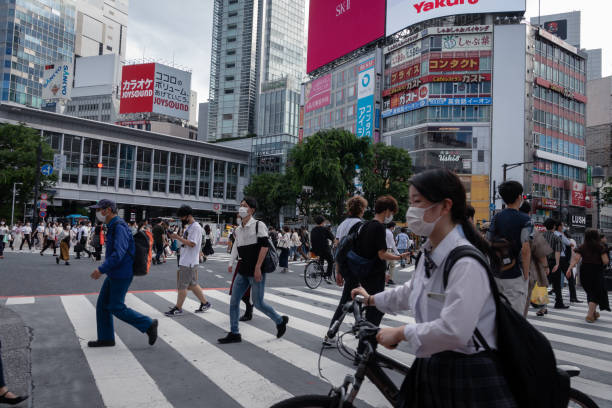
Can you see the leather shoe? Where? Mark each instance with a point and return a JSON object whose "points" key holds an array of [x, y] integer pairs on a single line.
{"points": [[152, 332], [101, 343], [282, 327], [12, 401], [562, 306], [231, 338], [576, 301]]}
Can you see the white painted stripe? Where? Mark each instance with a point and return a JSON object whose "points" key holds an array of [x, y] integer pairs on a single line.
{"points": [[219, 276], [290, 352], [582, 360], [230, 282], [593, 388], [238, 381], [121, 380], [209, 270], [20, 301], [573, 329], [570, 320]]}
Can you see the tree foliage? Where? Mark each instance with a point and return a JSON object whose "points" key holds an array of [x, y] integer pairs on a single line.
{"points": [[18, 145], [272, 192]]}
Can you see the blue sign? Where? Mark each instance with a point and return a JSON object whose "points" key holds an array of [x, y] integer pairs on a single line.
{"points": [[437, 102], [492, 206], [46, 170], [365, 98]]}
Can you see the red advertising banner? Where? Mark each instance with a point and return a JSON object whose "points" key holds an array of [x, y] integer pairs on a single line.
{"points": [[408, 97], [318, 93], [405, 74], [137, 83], [578, 194], [454, 64]]}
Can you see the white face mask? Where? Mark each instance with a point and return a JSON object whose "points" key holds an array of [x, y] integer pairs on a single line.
{"points": [[243, 212], [388, 219], [100, 217], [415, 221]]}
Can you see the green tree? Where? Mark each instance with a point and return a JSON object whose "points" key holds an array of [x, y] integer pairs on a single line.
{"points": [[18, 145], [387, 173], [327, 161], [272, 192]]}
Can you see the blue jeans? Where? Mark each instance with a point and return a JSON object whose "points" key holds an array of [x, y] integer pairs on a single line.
{"points": [[401, 251], [241, 284], [111, 302]]}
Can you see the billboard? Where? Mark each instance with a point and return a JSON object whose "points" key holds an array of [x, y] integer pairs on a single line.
{"points": [[57, 81], [317, 94], [454, 64], [155, 88], [404, 13], [557, 27], [365, 98], [336, 28]]}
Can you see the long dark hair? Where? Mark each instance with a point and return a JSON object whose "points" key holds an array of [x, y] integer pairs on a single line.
{"points": [[592, 239], [440, 184]]}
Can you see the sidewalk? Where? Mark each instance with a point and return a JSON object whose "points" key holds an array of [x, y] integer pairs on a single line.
{"points": [[16, 352]]}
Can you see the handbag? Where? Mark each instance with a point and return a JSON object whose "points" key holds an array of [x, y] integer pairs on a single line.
{"points": [[539, 295], [270, 263]]}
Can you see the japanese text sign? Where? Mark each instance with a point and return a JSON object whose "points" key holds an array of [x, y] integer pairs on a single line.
{"points": [[317, 93], [454, 64], [365, 95]]}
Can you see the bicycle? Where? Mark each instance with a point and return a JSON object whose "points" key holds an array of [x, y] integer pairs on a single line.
{"points": [[371, 364], [314, 272]]}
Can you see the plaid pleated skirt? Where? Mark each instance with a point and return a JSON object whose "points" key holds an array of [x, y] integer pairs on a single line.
{"points": [[456, 380]]}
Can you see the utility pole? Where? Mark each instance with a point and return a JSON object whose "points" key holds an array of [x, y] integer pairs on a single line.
{"points": [[37, 178], [13, 206]]}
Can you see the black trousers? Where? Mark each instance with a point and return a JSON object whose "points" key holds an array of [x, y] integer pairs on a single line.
{"points": [[98, 252], [327, 256], [26, 238], [571, 281], [49, 243], [555, 279]]}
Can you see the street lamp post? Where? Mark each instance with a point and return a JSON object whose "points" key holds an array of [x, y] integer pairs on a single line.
{"points": [[598, 177], [13, 206]]}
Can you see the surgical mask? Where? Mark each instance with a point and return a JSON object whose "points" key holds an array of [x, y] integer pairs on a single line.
{"points": [[415, 221], [100, 217], [388, 219], [243, 212]]}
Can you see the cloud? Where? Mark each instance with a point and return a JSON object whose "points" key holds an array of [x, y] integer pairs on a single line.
{"points": [[181, 33]]}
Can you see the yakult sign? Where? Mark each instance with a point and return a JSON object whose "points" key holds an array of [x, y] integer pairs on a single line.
{"points": [[404, 13]]}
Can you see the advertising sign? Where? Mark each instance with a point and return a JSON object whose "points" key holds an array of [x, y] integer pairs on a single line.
{"points": [[405, 74], [415, 83], [57, 81], [336, 28], [549, 203], [557, 27], [405, 54], [157, 88], [404, 13], [365, 98], [437, 102], [317, 93], [467, 42], [454, 64], [578, 194], [407, 97]]}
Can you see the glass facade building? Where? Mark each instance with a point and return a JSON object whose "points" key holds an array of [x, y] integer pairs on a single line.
{"points": [[33, 33]]}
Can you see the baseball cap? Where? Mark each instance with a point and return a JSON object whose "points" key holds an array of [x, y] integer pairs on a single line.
{"points": [[104, 203]]}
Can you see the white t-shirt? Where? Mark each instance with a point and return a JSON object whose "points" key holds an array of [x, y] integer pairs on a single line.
{"points": [[345, 227], [27, 230], [190, 256], [40, 229]]}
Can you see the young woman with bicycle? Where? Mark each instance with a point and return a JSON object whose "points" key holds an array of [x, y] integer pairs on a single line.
{"points": [[452, 369]]}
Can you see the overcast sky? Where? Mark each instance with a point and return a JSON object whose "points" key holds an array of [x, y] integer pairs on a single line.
{"points": [[181, 30]]}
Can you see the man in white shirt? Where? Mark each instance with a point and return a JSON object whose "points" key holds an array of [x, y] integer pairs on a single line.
{"points": [[26, 236], [82, 234], [187, 275]]}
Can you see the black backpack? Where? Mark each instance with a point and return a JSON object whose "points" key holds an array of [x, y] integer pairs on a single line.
{"points": [[143, 251], [526, 356], [270, 263], [346, 245]]}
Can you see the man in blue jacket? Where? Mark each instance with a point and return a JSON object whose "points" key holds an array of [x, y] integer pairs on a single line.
{"points": [[117, 267]]}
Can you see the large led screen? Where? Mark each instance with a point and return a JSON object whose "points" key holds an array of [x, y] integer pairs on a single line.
{"points": [[404, 13], [337, 27]]}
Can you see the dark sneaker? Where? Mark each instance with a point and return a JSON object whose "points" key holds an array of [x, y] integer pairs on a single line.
{"points": [[174, 311], [282, 327], [327, 342], [231, 338], [152, 332], [561, 306], [248, 315], [57, 261], [203, 307], [101, 343]]}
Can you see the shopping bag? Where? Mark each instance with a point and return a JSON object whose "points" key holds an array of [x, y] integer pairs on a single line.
{"points": [[539, 295]]}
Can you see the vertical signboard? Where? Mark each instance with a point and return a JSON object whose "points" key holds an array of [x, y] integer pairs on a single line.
{"points": [[578, 194], [137, 84], [57, 81], [365, 95]]}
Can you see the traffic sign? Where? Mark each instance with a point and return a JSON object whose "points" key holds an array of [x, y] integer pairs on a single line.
{"points": [[59, 161], [44, 196], [492, 206], [216, 207], [43, 205], [42, 214], [46, 170]]}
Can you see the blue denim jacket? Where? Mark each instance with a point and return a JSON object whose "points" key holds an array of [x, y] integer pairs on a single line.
{"points": [[120, 250]]}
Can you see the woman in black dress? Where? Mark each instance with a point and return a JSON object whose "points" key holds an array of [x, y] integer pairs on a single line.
{"points": [[594, 257]]}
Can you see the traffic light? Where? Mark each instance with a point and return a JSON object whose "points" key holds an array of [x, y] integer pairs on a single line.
{"points": [[526, 196], [100, 165]]}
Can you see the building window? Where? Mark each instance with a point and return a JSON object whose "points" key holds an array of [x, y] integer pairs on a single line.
{"points": [[229, 78], [231, 40], [176, 173], [231, 52], [232, 13], [230, 65], [232, 181], [229, 91], [109, 164], [191, 175], [126, 166], [108, 47], [143, 168], [204, 177], [481, 155], [160, 171], [72, 150], [91, 156], [242, 170], [227, 116], [219, 179], [232, 26]]}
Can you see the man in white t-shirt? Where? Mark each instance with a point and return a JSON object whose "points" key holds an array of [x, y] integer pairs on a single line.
{"points": [[26, 236], [187, 276]]}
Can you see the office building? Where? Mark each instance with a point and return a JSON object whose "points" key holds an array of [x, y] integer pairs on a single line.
{"points": [[33, 34], [203, 122], [594, 64], [101, 28]]}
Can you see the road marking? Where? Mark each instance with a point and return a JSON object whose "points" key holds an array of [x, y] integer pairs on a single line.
{"points": [[219, 276], [120, 378], [239, 381], [230, 282], [290, 352], [19, 301], [592, 388], [209, 270]]}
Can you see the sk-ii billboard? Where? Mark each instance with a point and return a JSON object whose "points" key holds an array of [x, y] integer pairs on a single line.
{"points": [[365, 95]]}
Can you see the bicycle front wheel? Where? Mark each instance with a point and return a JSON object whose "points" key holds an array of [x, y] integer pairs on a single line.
{"points": [[313, 275], [580, 400], [311, 401]]}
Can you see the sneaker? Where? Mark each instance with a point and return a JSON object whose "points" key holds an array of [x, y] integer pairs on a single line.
{"points": [[101, 343], [230, 338], [327, 343], [561, 306], [328, 281], [174, 311], [57, 261], [203, 307], [152, 332], [282, 327]]}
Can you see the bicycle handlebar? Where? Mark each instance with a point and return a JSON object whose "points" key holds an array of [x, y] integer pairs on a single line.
{"points": [[354, 306]]}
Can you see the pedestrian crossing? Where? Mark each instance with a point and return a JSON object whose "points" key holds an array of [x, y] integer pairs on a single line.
{"points": [[188, 368]]}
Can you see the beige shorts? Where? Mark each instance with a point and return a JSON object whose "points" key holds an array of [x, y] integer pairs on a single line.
{"points": [[186, 277]]}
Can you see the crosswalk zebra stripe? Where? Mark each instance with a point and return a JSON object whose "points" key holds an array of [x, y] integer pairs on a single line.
{"points": [[121, 380], [221, 368], [19, 301], [562, 317], [584, 361], [593, 388], [290, 352]]}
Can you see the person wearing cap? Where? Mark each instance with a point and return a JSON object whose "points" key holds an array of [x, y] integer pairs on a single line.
{"points": [[117, 267]]}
